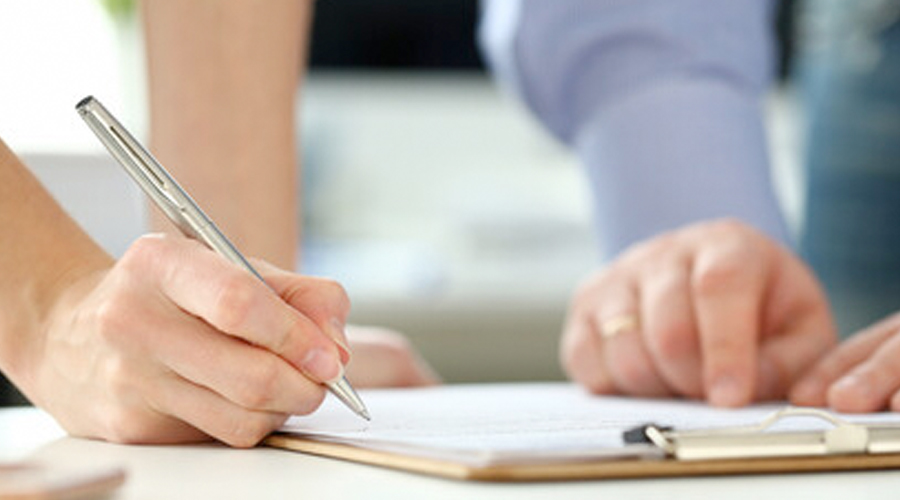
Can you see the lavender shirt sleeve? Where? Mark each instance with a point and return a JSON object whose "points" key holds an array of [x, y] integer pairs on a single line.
{"points": [[661, 100]]}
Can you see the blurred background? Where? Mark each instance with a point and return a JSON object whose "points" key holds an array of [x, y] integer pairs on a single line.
{"points": [[446, 211]]}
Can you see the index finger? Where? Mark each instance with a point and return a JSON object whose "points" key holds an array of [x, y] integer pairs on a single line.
{"points": [[727, 283], [233, 301], [322, 300]]}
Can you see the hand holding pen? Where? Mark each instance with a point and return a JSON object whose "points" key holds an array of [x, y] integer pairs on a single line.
{"points": [[187, 345], [171, 344]]}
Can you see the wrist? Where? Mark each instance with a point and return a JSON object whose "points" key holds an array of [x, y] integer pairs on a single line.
{"points": [[41, 305]]}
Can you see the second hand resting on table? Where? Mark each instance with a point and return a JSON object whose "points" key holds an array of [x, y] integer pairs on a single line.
{"points": [[719, 311]]}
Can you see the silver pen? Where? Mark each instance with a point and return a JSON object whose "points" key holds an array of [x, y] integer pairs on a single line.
{"points": [[179, 207]]}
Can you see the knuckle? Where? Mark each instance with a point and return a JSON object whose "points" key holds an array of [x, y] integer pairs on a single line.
{"points": [[729, 235], [336, 294], [110, 321], [285, 341], [674, 339], [719, 275], [234, 303], [324, 295], [116, 371], [260, 387], [145, 250]]}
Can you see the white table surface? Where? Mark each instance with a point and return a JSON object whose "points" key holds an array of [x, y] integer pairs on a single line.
{"points": [[214, 471]]}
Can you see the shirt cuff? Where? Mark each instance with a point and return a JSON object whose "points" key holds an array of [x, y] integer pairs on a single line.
{"points": [[677, 151]]}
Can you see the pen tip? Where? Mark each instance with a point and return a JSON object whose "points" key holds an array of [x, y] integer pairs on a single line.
{"points": [[345, 392]]}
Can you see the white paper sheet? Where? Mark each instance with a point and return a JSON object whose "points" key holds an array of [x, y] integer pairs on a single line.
{"points": [[513, 423]]}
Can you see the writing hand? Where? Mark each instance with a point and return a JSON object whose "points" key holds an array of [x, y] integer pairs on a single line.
{"points": [[174, 343]]}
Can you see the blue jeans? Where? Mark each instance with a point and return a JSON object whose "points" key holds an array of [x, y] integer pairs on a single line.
{"points": [[850, 79]]}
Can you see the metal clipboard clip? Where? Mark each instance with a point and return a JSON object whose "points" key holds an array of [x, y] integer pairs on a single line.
{"points": [[761, 441]]}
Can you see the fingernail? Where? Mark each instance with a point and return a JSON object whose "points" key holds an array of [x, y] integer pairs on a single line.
{"points": [[726, 392], [322, 365], [336, 332]]}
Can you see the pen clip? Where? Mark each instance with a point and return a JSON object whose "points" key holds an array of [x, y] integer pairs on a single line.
{"points": [[140, 165], [145, 171], [166, 197]]}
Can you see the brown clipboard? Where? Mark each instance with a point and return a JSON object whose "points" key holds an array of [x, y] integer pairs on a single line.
{"points": [[735, 451]]}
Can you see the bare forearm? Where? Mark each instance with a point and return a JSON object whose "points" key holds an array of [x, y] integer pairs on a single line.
{"points": [[223, 80], [43, 249]]}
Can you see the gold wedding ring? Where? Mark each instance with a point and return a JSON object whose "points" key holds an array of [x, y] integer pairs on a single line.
{"points": [[618, 324]]}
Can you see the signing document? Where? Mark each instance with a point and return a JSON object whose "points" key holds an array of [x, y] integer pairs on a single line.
{"points": [[490, 424]]}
